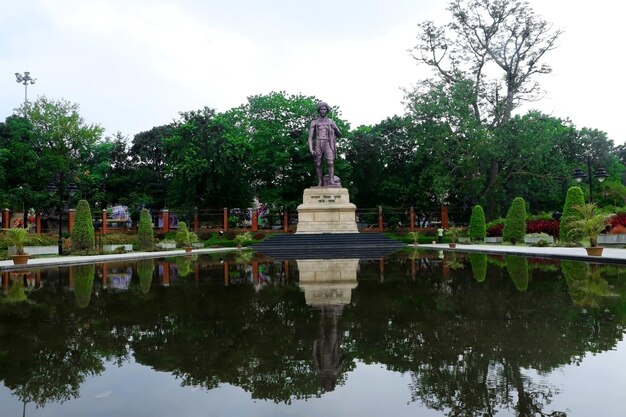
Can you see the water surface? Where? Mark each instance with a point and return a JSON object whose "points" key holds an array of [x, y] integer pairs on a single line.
{"points": [[416, 333]]}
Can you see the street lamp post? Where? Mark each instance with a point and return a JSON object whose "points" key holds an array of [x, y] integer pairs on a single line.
{"points": [[579, 176], [62, 189], [26, 80]]}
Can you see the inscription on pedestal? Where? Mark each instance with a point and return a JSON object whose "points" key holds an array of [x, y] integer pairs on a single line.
{"points": [[326, 210]]}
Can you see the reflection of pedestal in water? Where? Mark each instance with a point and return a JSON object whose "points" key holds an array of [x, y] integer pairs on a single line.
{"points": [[328, 282], [327, 286]]}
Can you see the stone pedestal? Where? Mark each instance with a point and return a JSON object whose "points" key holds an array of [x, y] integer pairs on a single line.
{"points": [[326, 210]]}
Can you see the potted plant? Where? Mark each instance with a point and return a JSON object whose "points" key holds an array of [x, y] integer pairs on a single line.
{"points": [[589, 223], [416, 237], [243, 239], [454, 233], [18, 237], [185, 238]]}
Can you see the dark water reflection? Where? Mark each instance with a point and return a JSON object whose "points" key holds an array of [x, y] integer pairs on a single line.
{"points": [[420, 333]]}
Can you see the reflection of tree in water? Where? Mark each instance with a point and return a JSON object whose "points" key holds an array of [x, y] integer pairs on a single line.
{"points": [[585, 284], [478, 261], [16, 292], [45, 356], [517, 266], [468, 358], [145, 270], [83, 283]]}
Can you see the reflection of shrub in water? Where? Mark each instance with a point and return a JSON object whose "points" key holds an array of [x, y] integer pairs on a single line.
{"points": [[16, 293], [184, 263], [517, 266], [478, 261], [585, 284], [83, 284], [145, 270]]}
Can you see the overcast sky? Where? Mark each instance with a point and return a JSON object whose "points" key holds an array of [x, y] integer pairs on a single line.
{"points": [[133, 65]]}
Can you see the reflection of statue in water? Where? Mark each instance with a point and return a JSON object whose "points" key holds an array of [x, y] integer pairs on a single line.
{"points": [[324, 131], [326, 348]]}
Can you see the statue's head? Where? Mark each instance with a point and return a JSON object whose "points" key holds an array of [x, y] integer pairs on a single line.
{"points": [[323, 104]]}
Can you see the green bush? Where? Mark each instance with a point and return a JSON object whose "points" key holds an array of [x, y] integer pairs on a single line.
{"points": [[515, 222], [477, 226], [243, 239], [83, 238], [184, 237], [574, 197], [119, 239], [145, 232]]}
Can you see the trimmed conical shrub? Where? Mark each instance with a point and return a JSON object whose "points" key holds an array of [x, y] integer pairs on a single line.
{"points": [[574, 197], [145, 233], [515, 222], [477, 226], [83, 232]]}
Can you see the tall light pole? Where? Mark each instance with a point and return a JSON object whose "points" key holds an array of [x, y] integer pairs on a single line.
{"points": [[26, 80], [579, 176]]}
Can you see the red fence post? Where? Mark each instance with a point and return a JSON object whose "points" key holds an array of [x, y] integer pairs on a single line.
{"points": [[225, 218], [380, 219], [196, 221], [104, 222], [255, 220], [444, 217], [6, 218], [71, 216], [165, 220], [38, 222], [286, 220]]}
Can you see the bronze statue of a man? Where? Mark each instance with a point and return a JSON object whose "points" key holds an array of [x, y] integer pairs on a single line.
{"points": [[324, 131]]}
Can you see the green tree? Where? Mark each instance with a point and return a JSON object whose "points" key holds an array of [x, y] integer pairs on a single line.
{"points": [[492, 51], [63, 137], [149, 180], [281, 165], [22, 184], [385, 168], [477, 225], [145, 232], [573, 198], [208, 158], [515, 222], [83, 232]]}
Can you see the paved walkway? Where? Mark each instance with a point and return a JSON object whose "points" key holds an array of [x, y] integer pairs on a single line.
{"points": [[610, 255], [73, 260]]}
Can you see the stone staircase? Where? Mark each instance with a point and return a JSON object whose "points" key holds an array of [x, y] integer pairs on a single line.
{"points": [[327, 246]]}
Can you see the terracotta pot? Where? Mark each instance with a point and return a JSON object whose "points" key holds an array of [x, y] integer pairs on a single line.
{"points": [[452, 245], [594, 251], [20, 259], [188, 249]]}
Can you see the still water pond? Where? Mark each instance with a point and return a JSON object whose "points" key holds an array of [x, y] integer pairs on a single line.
{"points": [[416, 333]]}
